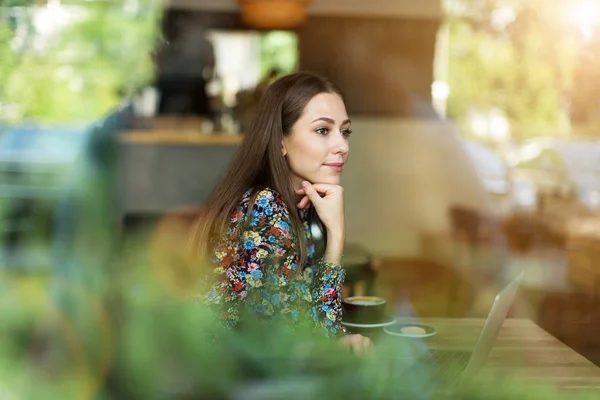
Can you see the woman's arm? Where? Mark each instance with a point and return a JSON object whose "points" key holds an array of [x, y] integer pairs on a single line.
{"points": [[327, 292]]}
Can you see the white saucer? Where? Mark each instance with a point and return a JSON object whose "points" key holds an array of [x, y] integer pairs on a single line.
{"points": [[429, 331], [379, 325]]}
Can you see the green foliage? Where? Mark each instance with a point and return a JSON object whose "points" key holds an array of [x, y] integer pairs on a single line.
{"points": [[523, 66], [159, 346], [103, 54], [278, 49]]}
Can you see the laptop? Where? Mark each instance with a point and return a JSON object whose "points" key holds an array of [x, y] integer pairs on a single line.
{"points": [[449, 369]]}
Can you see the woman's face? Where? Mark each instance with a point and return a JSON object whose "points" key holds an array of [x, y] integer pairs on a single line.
{"points": [[317, 147]]}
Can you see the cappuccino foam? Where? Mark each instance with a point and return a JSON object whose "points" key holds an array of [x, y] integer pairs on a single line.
{"points": [[364, 302], [413, 330]]}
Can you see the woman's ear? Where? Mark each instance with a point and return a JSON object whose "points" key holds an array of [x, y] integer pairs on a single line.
{"points": [[283, 149]]}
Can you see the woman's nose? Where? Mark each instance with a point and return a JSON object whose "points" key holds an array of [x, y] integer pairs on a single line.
{"points": [[341, 145], [344, 148]]}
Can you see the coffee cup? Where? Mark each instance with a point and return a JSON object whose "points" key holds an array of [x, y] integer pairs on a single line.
{"points": [[364, 309]]}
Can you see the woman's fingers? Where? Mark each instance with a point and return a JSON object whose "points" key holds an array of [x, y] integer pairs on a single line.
{"points": [[320, 188], [314, 192], [368, 345], [358, 344], [304, 202], [362, 345], [311, 193], [326, 188]]}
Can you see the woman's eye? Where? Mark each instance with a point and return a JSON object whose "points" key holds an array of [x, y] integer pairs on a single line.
{"points": [[347, 132], [322, 131]]}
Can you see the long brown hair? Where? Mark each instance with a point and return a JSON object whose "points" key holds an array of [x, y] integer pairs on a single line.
{"points": [[258, 162]]}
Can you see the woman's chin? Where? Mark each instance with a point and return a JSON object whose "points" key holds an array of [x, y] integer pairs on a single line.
{"points": [[329, 181]]}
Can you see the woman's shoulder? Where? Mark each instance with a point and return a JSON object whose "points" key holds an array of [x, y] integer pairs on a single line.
{"points": [[263, 199], [262, 205]]}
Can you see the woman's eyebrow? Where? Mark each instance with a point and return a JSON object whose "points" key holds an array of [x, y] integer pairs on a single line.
{"points": [[331, 121]]}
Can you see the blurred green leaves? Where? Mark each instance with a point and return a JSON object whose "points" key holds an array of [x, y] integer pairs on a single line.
{"points": [[516, 56], [278, 49], [80, 71]]}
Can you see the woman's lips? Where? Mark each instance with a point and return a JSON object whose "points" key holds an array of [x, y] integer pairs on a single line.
{"points": [[337, 167]]}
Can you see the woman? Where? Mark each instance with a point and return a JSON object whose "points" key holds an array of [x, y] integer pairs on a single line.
{"points": [[256, 224]]}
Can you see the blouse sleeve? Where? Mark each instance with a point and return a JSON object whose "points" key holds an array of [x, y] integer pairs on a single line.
{"points": [[328, 280]]}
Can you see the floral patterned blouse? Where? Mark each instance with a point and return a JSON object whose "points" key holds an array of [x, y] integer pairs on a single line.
{"points": [[257, 264]]}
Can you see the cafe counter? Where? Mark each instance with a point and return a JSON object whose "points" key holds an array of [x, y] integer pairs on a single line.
{"points": [[166, 137], [170, 165]]}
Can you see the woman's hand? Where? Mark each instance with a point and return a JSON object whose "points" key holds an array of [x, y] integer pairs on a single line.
{"points": [[328, 201], [358, 344]]}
